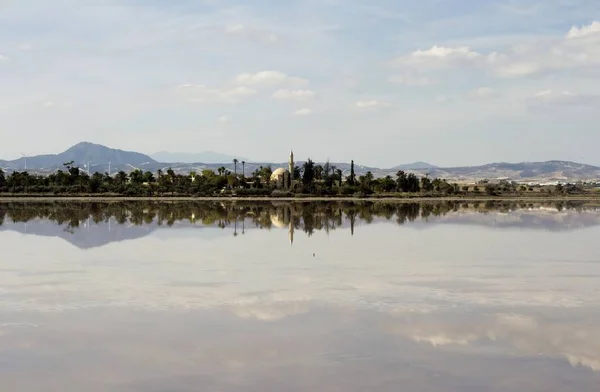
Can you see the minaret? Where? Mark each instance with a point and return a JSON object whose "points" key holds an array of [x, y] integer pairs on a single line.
{"points": [[291, 167]]}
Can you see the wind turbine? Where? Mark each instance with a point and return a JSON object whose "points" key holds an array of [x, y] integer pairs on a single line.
{"points": [[25, 156]]}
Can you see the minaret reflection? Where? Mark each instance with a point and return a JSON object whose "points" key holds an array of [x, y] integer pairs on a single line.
{"points": [[282, 218]]}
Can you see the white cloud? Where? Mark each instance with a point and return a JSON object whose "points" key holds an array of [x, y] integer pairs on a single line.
{"points": [[223, 119], [441, 52], [564, 98], [48, 104], [234, 29], [303, 112], [442, 340], [204, 94], [579, 48], [517, 69], [584, 31], [482, 93], [273, 312], [234, 32], [439, 57], [372, 104], [25, 47], [293, 95], [3, 58], [268, 78], [441, 99], [410, 80]]}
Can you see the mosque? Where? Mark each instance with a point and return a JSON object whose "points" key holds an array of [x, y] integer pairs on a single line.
{"points": [[284, 178]]}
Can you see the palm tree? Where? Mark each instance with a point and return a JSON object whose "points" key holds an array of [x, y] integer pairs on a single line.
{"points": [[136, 176], [243, 169], [235, 162], [121, 177]]}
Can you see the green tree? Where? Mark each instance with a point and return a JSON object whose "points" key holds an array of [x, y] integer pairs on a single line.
{"points": [[235, 163], [339, 176], [148, 177], [96, 182], [319, 172], [401, 181], [208, 173], [490, 189], [352, 177], [328, 174], [264, 173], [386, 184], [136, 177], [171, 174], [426, 184], [366, 181], [2, 179], [412, 183], [308, 173], [121, 178]]}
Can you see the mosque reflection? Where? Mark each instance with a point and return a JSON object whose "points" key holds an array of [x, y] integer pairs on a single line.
{"points": [[95, 224]]}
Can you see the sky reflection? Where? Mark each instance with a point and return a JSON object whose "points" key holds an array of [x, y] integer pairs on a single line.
{"points": [[444, 302]]}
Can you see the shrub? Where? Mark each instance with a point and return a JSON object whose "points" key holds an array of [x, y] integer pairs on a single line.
{"points": [[280, 193], [252, 192]]}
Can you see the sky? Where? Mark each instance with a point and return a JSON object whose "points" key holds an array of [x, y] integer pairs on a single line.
{"points": [[450, 82]]}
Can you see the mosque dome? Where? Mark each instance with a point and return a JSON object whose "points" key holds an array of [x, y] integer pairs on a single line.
{"points": [[278, 222], [278, 173]]}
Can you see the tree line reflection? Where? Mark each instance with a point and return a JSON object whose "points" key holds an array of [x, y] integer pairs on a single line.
{"points": [[308, 217]]}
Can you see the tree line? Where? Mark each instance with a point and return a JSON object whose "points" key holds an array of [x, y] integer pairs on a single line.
{"points": [[311, 179], [308, 217]]}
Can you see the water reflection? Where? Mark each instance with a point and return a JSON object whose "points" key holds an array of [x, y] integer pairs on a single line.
{"points": [[371, 296], [89, 225]]}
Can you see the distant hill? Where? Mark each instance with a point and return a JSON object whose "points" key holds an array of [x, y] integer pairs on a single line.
{"points": [[80, 154], [202, 157], [415, 166], [547, 171]]}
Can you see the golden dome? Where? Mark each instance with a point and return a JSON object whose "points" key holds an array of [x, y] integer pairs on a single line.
{"points": [[278, 222], [278, 173]]}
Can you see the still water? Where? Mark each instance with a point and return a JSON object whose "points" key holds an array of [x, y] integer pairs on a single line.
{"points": [[299, 297]]}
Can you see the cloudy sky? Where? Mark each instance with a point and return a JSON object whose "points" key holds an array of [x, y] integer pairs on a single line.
{"points": [[384, 82]]}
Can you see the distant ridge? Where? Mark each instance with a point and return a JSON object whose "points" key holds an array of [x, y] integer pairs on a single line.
{"points": [[202, 157], [100, 156], [415, 166], [548, 170]]}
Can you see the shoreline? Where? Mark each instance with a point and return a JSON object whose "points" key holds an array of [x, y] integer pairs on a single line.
{"points": [[308, 199]]}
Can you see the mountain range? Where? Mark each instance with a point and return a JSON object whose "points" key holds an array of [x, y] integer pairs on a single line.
{"points": [[205, 156], [104, 159]]}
